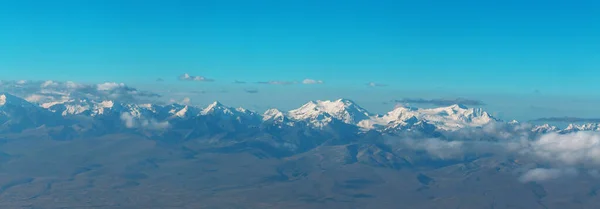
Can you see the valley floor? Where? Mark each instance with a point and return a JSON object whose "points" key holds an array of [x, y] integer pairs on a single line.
{"points": [[124, 171]]}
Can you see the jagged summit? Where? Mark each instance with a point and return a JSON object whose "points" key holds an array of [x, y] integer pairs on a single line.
{"points": [[582, 127], [273, 114], [452, 117], [344, 110], [6, 99], [215, 107]]}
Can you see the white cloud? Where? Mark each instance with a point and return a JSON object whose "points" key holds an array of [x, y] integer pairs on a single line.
{"points": [[373, 84], [188, 77], [186, 101], [579, 148], [38, 98], [109, 86], [436, 147], [49, 84], [134, 122], [54, 91], [311, 81], [545, 174], [561, 154]]}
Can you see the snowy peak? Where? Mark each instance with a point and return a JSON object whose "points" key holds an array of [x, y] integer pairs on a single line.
{"points": [[181, 113], [342, 109], [582, 127], [400, 113], [8, 99], [273, 114], [217, 108], [446, 118], [412, 124], [277, 117], [546, 128], [239, 114]]}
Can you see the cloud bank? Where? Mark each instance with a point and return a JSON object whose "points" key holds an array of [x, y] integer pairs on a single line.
{"points": [[54, 91], [555, 155]]}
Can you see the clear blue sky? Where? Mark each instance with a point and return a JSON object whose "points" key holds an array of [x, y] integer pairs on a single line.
{"points": [[467, 47]]}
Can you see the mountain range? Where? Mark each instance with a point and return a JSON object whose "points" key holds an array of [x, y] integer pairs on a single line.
{"points": [[332, 154], [17, 114]]}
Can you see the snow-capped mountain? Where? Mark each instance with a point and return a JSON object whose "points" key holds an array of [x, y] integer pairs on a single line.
{"points": [[172, 111], [321, 113], [276, 116], [317, 115], [94, 109], [216, 109], [449, 118], [582, 127], [16, 114], [412, 124], [545, 128]]}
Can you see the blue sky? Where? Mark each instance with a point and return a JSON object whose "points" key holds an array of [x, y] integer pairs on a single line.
{"points": [[500, 50]]}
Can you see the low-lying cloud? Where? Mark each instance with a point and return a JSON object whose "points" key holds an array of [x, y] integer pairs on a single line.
{"points": [[561, 155], [150, 124], [573, 149], [441, 102], [545, 174], [436, 147]]}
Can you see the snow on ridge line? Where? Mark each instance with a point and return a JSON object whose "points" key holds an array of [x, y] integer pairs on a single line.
{"points": [[342, 109], [320, 113], [448, 118]]}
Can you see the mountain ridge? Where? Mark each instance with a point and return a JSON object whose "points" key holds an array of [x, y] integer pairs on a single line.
{"points": [[318, 115]]}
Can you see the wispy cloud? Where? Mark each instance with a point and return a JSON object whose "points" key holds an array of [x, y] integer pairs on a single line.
{"points": [[568, 120], [251, 91], [436, 147], [441, 102], [150, 124], [277, 82], [160, 80], [239, 82], [312, 81], [373, 84], [545, 174], [188, 77]]}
